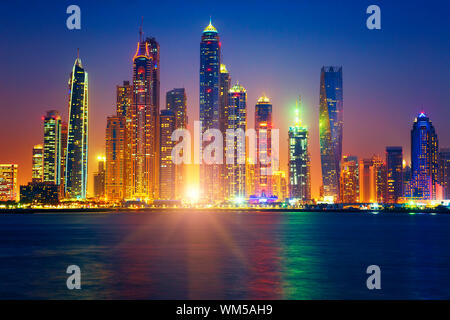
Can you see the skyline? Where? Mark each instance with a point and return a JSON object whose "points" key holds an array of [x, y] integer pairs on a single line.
{"points": [[394, 131]]}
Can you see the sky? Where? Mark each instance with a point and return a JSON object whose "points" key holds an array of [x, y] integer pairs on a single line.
{"points": [[276, 48]]}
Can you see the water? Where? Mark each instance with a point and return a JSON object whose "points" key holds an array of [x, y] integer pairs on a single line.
{"points": [[225, 255]]}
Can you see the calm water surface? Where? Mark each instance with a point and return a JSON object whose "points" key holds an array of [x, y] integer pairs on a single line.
{"points": [[213, 255]]}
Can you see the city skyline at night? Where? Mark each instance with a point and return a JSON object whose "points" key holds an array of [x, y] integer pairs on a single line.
{"points": [[282, 109]]}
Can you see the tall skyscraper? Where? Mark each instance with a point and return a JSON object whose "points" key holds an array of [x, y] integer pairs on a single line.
{"points": [[237, 123], [9, 186], [115, 183], [176, 102], [167, 176], [209, 105], [263, 128], [123, 98], [38, 164], [367, 181], [424, 159], [349, 183], [394, 174], [444, 171], [52, 147], [64, 136], [143, 123], [299, 167], [77, 138], [331, 123], [99, 178], [380, 179], [222, 184]]}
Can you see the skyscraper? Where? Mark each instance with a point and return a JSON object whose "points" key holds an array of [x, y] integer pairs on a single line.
{"points": [[367, 181], [349, 183], [444, 171], [299, 167], [380, 179], [279, 185], [143, 124], [99, 178], [263, 127], [331, 128], [209, 105], [52, 147], [38, 164], [222, 184], [394, 174], [167, 176], [77, 138], [123, 98], [424, 159], [176, 102], [64, 135], [237, 124], [115, 183], [9, 186]]}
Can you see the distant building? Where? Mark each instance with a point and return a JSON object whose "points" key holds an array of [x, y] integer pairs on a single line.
{"points": [[263, 127], [124, 94], [115, 184], [279, 185], [394, 176], [349, 183], [9, 187], [331, 128], [64, 135], [52, 147], [38, 163], [99, 178], [367, 181], [380, 179], [225, 86], [167, 177], [444, 171], [42, 193]]}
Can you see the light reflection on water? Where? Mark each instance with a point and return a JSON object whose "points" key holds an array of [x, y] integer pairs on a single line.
{"points": [[212, 255]]}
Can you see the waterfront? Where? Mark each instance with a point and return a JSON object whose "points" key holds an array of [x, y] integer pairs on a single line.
{"points": [[224, 255]]}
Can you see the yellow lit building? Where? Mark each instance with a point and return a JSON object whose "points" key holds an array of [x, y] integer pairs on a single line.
{"points": [[9, 187]]}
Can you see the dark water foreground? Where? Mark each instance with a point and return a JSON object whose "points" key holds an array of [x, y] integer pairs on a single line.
{"points": [[225, 255]]}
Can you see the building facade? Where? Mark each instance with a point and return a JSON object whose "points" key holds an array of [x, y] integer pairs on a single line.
{"points": [[444, 171], [124, 94], [38, 164], [52, 147], [349, 183], [167, 176], [263, 128], [99, 179], [367, 181], [394, 174], [9, 187]]}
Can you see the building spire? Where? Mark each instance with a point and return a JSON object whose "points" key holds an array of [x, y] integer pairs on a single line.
{"points": [[298, 103], [140, 29]]}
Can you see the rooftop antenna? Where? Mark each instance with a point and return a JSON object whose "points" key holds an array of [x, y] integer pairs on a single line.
{"points": [[78, 53], [140, 29]]}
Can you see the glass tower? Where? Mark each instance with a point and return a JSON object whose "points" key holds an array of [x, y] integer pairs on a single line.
{"points": [[331, 128], [52, 147], [77, 138]]}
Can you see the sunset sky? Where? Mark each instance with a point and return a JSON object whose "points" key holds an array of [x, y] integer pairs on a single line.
{"points": [[278, 48]]}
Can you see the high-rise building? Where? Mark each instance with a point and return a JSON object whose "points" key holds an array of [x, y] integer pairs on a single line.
{"points": [[38, 164], [250, 178], [444, 171], [424, 159], [77, 137], [124, 97], [263, 128], [299, 161], [394, 174], [9, 187], [222, 184], [167, 175], [115, 184], [64, 135], [52, 147], [237, 124], [143, 123], [380, 179], [349, 183], [210, 57], [331, 123], [367, 181], [279, 185], [176, 102], [99, 178]]}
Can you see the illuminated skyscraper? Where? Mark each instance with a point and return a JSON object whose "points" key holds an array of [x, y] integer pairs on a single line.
{"points": [[99, 178], [367, 181], [349, 183], [263, 127], [299, 167], [176, 102], [225, 85], [143, 124], [394, 174], [9, 187], [237, 124], [331, 128], [115, 184], [123, 99], [209, 105], [167, 176], [279, 185], [64, 135], [38, 164], [424, 159], [380, 179], [77, 138], [444, 171], [52, 147]]}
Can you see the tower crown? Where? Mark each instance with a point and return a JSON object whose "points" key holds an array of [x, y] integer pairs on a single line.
{"points": [[210, 28], [263, 99]]}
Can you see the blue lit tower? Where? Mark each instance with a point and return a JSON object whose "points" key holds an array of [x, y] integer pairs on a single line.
{"points": [[424, 159], [77, 139], [209, 103], [331, 128]]}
